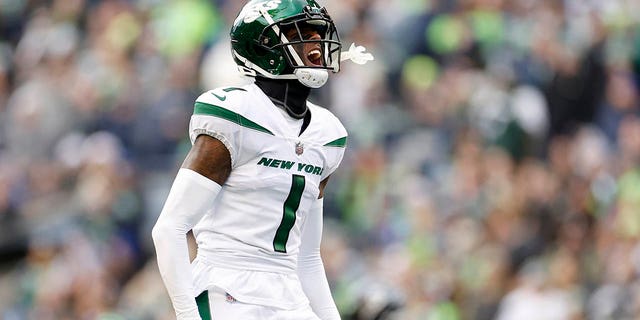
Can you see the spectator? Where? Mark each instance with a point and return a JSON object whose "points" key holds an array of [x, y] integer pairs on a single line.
{"points": [[493, 171]]}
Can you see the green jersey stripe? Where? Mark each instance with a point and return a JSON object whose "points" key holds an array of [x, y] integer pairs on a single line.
{"points": [[220, 112], [341, 143], [232, 89]]}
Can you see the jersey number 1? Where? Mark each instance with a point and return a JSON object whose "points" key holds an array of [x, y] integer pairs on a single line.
{"points": [[289, 214]]}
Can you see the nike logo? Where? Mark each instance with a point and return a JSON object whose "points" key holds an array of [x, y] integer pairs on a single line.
{"points": [[222, 98]]}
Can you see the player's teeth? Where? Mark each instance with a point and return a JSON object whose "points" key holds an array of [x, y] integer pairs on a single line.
{"points": [[314, 54]]}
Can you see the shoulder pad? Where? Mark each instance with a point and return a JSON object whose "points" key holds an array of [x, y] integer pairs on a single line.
{"points": [[230, 104], [227, 97], [334, 132]]}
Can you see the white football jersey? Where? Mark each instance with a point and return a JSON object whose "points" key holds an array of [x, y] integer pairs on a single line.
{"points": [[258, 216]]}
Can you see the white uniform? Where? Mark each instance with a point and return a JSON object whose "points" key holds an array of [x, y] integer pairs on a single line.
{"points": [[248, 242]]}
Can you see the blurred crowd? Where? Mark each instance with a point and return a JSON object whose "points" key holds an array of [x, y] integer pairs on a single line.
{"points": [[492, 171]]}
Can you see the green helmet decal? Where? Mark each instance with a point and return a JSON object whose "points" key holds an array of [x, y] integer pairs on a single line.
{"points": [[260, 45]]}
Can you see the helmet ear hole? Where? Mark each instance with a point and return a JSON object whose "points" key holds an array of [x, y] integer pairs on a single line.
{"points": [[260, 51]]}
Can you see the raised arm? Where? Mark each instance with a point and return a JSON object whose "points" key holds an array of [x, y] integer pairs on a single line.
{"points": [[194, 190]]}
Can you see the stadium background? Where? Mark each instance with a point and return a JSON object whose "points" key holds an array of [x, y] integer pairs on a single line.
{"points": [[492, 172]]}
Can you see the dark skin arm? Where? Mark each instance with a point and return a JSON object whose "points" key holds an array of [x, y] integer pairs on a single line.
{"points": [[210, 158], [323, 184]]}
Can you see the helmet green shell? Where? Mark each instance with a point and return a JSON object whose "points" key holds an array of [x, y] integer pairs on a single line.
{"points": [[254, 40]]}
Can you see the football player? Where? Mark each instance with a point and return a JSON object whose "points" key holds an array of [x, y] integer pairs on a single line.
{"points": [[251, 186]]}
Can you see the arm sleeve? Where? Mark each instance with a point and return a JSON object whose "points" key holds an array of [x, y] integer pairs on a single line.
{"points": [[311, 269], [190, 197]]}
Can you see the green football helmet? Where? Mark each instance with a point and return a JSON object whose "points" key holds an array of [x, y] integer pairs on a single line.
{"points": [[267, 39]]}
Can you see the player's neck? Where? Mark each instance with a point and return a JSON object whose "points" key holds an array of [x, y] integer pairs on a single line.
{"points": [[291, 95]]}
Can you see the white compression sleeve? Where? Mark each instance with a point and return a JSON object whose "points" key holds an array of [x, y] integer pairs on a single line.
{"points": [[311, 269], [190, 197]]}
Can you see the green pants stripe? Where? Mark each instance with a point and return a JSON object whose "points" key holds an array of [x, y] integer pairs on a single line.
{"points": [[203, 305]]}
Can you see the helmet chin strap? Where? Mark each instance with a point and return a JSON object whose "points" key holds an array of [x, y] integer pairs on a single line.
{"points": [[312, 78]]}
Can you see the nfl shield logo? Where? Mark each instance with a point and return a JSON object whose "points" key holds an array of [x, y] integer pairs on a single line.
{"points": [[299, 148]]}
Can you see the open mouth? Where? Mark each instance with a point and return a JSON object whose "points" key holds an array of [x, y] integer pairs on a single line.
{"points": [[315, 57]]}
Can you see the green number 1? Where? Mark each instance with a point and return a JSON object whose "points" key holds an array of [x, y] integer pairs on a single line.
{"points": [[289, 214]]}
